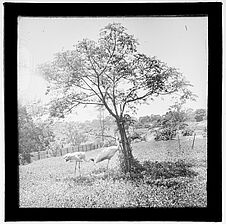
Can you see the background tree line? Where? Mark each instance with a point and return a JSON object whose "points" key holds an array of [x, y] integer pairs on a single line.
{"points": [[37, 135]]}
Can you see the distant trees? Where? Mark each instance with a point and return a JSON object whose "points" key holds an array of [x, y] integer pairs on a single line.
{"points": [[73, 133], [145, 121], [190, 115], [171, 122], [200, 115], [175, 115], [175, 119], [101, 130], [33, 137], [25, 125]]}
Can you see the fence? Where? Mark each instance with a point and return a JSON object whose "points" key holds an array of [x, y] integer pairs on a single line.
{"points": [[62, 151]]}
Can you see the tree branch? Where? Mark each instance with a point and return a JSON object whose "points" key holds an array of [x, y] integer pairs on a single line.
{"points": [[81, 87], [113, 51], [86, 102], [96, 63], [91, 88], [103, 98], [114, 99], [80, 102]]}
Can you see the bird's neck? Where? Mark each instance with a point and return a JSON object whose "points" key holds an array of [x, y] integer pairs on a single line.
{"points": [[118, 144]]}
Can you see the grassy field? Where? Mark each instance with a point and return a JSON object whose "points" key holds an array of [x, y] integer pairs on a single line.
{"points": [[51, 182]]}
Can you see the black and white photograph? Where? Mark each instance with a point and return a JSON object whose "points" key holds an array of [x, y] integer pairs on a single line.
{"points": [[116, 112], [112, 112]]}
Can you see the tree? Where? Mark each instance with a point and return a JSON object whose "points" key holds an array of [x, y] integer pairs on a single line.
{"points": [[154, 120], [32, 137], [111, 73], [145, 121], [177, 116], [25, 124], [173, 121], [174, 117], [190, 114], [73, 133], [200, 115], [102, 122]]}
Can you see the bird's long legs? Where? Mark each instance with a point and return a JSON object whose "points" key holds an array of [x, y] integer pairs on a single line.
{"points": [[79, 166], [107, 167], [75, 167], [108, 163]]}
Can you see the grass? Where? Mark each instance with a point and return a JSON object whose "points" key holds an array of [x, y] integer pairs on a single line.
{"points": [[170, 178]]}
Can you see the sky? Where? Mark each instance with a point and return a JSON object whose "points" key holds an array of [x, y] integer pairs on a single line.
{"points": [[181, 42]]}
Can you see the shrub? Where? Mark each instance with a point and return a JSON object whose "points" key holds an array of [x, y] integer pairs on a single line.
{"points": [[165, 134], [24, 158], [149, 171], [157, 170], [136, 135], [200, 115]]}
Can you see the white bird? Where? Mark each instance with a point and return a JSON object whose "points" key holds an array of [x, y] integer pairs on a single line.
{"points": [[107, 153], [78, 157]]}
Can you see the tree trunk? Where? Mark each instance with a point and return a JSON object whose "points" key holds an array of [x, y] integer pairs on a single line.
{"points": [[127, 160]]}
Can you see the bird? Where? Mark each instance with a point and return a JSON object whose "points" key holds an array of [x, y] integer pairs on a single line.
{"points": [[78, 157], [107, 153]]}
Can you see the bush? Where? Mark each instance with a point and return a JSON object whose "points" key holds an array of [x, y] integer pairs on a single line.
{"points": [[152, 171], [24, 158], [165, 134], [135, 136], [158, 170], [198, 118], [200, 115], [187, 132]]}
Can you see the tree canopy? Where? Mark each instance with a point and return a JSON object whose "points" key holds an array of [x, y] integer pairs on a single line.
{"points": [[33, 137], [109, 72], [200, 115]]}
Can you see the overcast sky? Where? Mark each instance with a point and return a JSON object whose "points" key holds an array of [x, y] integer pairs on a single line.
{"points": [[181, 42]]}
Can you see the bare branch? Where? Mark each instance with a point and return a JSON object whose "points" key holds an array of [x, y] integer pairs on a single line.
{"points": [[103, 98], [80, 102], [81, 87], [87, 102], [91, 88], [94, 69], [91, 80]]}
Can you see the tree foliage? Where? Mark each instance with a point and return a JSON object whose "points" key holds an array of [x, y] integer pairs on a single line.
{"points": [[73, 132], [145, 121], [32, 137], [109, 72], [200, 115], [171, 122]]}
